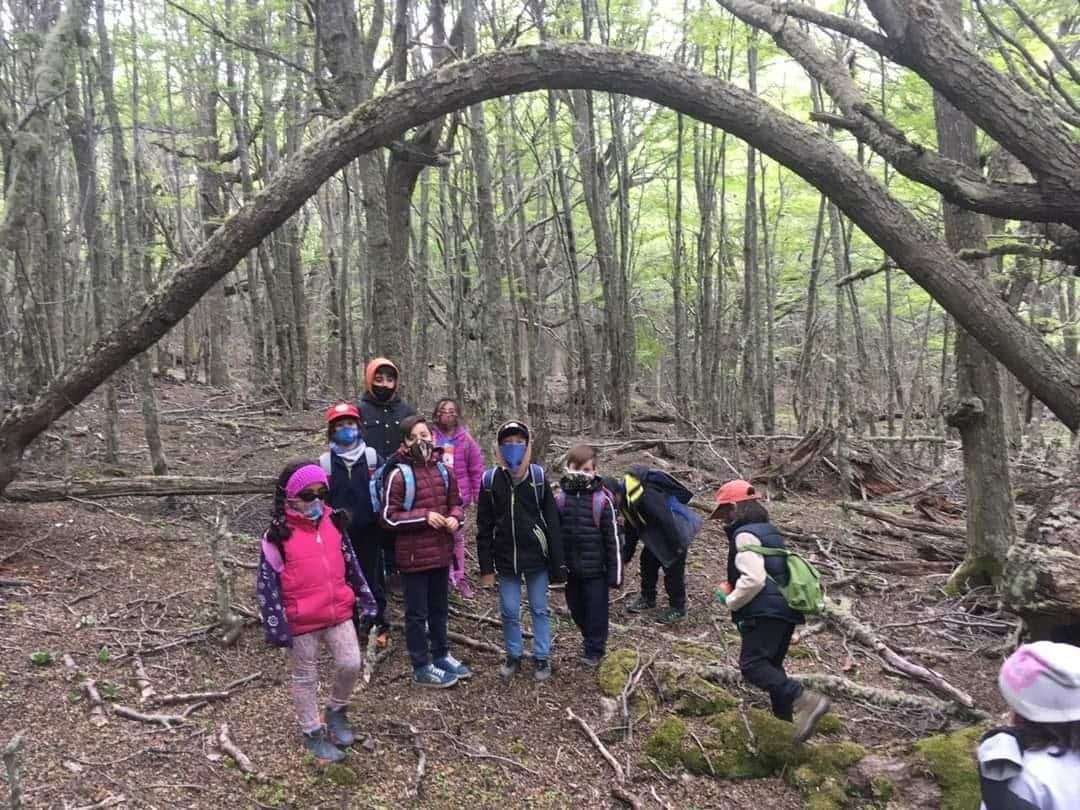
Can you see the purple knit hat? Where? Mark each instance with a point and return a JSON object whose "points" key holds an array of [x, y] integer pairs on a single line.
{"points": [[303, 478]]}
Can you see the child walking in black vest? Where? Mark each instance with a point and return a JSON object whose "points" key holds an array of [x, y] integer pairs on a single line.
{"points": [[759, 609], [590, 535]]}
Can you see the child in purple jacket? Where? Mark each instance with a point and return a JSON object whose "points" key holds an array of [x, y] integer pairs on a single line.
{"points": [[463, 455]]}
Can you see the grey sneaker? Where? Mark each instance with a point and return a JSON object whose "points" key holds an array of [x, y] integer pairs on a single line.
{"points": [[338, 727], [509, 667], [543, 670], [431, 676], [641, 604], [809, 707], [672, 616], [453, 666], [319, 746]]}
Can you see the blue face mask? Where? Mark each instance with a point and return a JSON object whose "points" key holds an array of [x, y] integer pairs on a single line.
{"points": [[513, 454], [315, 511], [346, 436]]}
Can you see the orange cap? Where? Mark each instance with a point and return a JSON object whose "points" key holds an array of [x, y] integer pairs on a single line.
{"points": [[735, 492]]}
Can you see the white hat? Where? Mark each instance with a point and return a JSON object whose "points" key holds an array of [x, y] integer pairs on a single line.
{"points": [[1041, 682]]}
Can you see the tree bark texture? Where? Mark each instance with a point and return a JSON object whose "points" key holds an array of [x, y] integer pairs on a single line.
{"points": [[1049, 375]]}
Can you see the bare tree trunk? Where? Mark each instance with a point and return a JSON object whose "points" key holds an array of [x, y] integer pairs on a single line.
{"points": [[978, 412], [682, 404], [749, 408], [840, 349]]}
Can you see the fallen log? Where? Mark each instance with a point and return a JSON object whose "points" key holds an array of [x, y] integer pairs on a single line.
{"points": [[841, 617], [836, 687], [153, 486], [227, 746], [1041, 580], [941, 530]]}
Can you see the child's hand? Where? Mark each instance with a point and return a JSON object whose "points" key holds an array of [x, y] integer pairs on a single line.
{"points": [[722, 594], [452, 524], [487, 580], [435, 520]]}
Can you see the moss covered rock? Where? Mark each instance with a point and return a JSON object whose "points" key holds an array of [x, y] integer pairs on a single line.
{"points": [[694, 696], [614, 671], [340, 774], [728, 750], [951, 759]]}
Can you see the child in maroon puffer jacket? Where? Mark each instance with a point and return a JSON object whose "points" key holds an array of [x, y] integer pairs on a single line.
{"points": [[423, 509], [309, 585]]}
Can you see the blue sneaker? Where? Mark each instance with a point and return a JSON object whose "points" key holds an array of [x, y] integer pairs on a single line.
{"points": [[431, 675], [452, 665]]}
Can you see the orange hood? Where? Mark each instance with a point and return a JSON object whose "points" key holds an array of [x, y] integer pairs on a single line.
{"points": [[375, 365]]}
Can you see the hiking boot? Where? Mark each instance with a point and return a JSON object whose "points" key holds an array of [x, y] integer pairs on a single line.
{"points": [[450, 664], [543, 670], [509, 667], [590, 661], [672, 616], [338, 727], [641, 604], [431, 675], [810, 707], [318, 744]]}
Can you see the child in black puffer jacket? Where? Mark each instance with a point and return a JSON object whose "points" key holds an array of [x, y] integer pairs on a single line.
{"points": [[590, 535]]}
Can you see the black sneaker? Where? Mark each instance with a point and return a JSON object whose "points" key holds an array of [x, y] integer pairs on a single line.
{"points": [[672, 616], [543, 670], [641, 604], [590, 661], [509, 667]]}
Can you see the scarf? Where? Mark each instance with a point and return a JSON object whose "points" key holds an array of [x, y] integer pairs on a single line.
{"points": [[350, 457]]}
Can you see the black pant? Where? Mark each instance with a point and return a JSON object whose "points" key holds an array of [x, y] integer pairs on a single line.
{"points": [[674, 579], [588, 603], [369, 554], [765, 643], [427, 597], [386, 540]]}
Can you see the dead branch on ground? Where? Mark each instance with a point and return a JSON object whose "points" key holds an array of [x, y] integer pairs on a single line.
{"points": [[624, 795], [97, 705], [841, 617], [167, 721], [230, 624], [954, 532], [11, 766], [620, 775], [227, 746], [142, 680], [410, 731]]}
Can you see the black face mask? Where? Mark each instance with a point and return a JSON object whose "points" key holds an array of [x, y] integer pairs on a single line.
{"points": [[382, 393]]}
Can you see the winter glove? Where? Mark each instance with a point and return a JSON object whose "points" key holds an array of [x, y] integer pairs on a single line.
{"points": [[722, 593]]}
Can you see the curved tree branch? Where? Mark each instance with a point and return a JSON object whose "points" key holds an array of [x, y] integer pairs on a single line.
{"points": [[957, 183], [1051, 377]]}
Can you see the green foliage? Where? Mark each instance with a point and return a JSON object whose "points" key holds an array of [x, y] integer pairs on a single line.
{"points": [[614, 671], [951, 759], [340, 774], [41, 658]]}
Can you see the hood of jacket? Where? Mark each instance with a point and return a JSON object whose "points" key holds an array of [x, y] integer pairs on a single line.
{"points": [[369, 378], [525, 462]]}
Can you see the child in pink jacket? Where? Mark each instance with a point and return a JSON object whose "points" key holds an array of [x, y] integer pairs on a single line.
{"points": [[309, 585], [463, 455]]}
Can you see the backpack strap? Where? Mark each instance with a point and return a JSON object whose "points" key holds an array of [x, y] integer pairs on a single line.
{"points": [[538, 483], [409, 480], [598, 498], [372, 458], [444, 474], [375, 479], [326, 463], [487, 479], [560, 501]]}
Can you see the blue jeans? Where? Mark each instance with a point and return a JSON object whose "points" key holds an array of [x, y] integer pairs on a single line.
{"points": [[536, 583]]}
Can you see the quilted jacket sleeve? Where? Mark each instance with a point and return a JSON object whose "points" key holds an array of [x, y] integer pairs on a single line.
{"points": [[268, 590], [355, 577]]}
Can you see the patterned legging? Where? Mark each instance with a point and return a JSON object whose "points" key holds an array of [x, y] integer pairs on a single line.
{"points": [[304, 655]]}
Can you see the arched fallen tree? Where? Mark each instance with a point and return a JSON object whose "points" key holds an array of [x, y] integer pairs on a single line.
{"points": [[804, 150]]}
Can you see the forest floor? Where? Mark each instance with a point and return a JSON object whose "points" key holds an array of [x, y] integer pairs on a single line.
{"points": [[108, 580]]}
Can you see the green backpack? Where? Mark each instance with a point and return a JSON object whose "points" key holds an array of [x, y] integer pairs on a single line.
{"points": [[804, 592]]}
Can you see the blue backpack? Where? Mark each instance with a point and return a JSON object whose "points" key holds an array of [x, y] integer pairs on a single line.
{"points": [[371, 458], [535, 470], [377, 484]]}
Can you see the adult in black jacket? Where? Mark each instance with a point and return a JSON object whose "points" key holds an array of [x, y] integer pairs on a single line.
{"points": [[648, 518], [382, 410], [517, 535], [758, 608], [590, 535]]}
